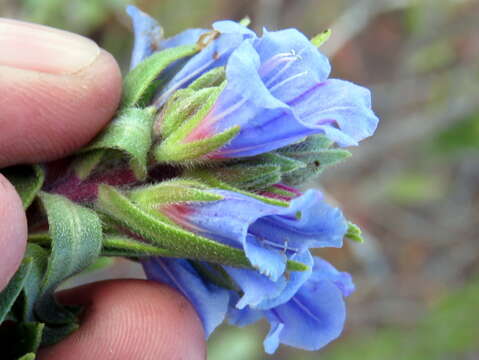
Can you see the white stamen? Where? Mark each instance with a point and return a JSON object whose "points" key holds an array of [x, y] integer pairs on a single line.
{"points": [[292, 56], [285, 81]]}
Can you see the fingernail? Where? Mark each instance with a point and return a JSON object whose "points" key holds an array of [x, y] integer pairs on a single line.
{"points": [[44, 49]]}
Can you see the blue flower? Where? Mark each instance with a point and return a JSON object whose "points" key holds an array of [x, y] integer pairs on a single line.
{"points": [[209, 300], [306, 314], [278, 92], [269, 234], [312, 318]]}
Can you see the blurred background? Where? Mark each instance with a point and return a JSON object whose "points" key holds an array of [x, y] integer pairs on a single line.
{"points": [[413, 187]]}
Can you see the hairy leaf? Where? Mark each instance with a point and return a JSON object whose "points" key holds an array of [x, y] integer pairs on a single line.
{"points": [[76, 235], [129, 133], [14, 287], [137, 84]]}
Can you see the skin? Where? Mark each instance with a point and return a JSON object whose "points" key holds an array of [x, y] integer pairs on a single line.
{"points": [[45, 116]]}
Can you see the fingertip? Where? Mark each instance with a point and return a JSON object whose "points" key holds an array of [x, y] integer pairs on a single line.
{"points": [[13, 231], [46, 116], [131, 319]]}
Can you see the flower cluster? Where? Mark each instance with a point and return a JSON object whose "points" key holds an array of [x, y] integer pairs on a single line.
{"points": [[305, 308], [195, 178], [265, 110]]}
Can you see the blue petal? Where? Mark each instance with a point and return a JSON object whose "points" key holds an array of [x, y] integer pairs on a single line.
{"points": [[295, 282], [306, 67], [242, 317], [324, 270], [214, 55], [266, 122], [271, 342], [340, 109], [148, 35], [228, 220], [311, 319], [256, 287], [187, 37], [233, 27], [314, 316], [210, 301], [269, 263], [319, 225]]}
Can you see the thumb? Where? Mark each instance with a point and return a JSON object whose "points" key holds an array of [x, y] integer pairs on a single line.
{"points": [[57, 90]]}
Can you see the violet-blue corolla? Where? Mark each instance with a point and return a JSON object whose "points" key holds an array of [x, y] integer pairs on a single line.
{"points": [[278, 92], [269, 234], [309, 317], [278, 89]]}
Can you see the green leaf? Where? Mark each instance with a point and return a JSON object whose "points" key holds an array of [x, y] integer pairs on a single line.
{"points": [[14, 287], [182, 116], [317, 152], [259, 172], [131, 134], [212, 78], [30, 356], [101, 263], [33, 281], [138, 82], [84, 164], [76, 243], [249, 177], [172, 191], [27, 180], [183, 105], [119, 245], [321, 38], [286, 164], [178, 152], [354, 233], [193, 120], [209, 178], [245, 21]]}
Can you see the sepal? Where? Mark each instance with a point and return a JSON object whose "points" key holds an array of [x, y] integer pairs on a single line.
{"points": [[354, 233], [141, 83], [171, 192], [321, 38], [129, 134], [317, 153], [185, 116], [248, 177]]}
